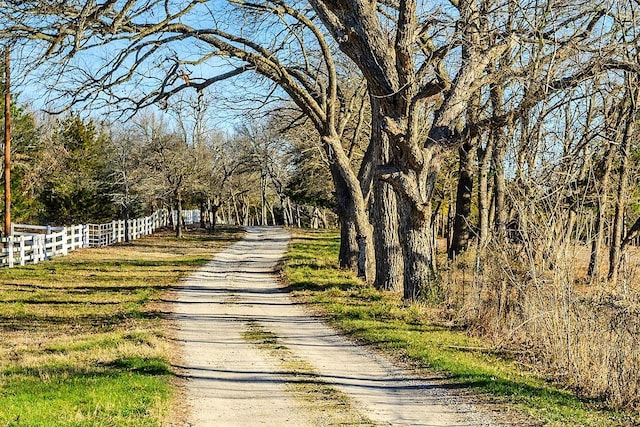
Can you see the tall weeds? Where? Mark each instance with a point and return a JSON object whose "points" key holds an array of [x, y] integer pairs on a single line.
{"points": [[528, 293]]}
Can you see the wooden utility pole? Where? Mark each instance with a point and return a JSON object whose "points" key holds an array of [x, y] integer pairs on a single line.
{"points": [[7, 141]]}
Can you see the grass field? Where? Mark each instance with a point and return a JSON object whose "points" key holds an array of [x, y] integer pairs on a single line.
{"points": [[414, 333], [84, 340]]}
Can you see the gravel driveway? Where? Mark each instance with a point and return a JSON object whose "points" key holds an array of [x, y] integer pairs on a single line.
{"points": [[253, 357]]}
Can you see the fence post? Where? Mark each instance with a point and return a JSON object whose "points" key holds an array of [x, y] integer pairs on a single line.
{"points": [[85, 235], [35, 248], [72, 238], [42, 250], [22, 260], [79, 233], [65, 248], [10, 251]]}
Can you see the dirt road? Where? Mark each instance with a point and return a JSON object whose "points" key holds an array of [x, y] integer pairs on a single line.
{"points": [[252, 357]]}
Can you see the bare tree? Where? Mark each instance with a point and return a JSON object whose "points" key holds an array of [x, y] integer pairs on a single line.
{"points": [[126, 173], [175, 163]]}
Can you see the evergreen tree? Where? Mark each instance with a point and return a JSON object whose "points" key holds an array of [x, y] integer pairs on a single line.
{"points": [[76, 191]]}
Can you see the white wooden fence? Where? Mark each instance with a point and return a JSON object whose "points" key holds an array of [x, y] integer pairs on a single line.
{"points": [[30, 244], [188, 216]]}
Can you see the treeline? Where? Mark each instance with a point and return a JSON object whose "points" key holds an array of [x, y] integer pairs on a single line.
{"points": [[70, 170]]}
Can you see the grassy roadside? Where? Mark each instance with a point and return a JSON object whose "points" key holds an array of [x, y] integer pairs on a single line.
{"points": [[408, 332], [84, 339]]}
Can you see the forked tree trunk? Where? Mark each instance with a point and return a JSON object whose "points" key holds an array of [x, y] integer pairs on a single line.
{"points": [[272, 213], [235, 209], [285, 211]]}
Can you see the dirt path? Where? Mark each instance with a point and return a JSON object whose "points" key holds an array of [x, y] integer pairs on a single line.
{"points": [[252, 357]]}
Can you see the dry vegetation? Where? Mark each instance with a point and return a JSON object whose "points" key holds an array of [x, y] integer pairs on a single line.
{"points": [[541, 305]]}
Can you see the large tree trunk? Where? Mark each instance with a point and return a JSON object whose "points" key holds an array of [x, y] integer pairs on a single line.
{"points": [[413, 179], [464, 192], [348, 255], [353, 216], [416, 236], [388, 252], [384, 215]]}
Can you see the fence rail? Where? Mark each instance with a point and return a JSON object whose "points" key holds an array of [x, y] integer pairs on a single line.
{"points": [[31, 244]]}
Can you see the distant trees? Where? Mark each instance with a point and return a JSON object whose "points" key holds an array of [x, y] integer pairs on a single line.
{"points": [[126, 174]]}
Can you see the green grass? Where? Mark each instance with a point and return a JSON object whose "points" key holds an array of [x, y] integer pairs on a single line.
{"points": [[411, 333], [83, 338]]}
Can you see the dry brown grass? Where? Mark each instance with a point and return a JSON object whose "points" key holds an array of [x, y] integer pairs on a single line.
{"points": [[586, 335]]}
